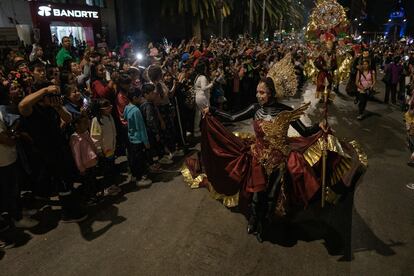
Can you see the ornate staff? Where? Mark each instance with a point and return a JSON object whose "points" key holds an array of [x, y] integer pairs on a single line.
{"points": [[324, 149]]}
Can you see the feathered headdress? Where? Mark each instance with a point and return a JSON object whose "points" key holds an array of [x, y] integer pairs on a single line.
{"points": [[284, 77]]}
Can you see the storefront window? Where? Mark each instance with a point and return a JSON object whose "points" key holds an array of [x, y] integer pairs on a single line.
{"points": [[97, 3]]}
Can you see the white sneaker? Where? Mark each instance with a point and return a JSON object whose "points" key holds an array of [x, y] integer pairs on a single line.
{"points": [[179, 153], [29, 212], [144, 182], [26, 222], [165, 160], [112, 191], [410, 186]]}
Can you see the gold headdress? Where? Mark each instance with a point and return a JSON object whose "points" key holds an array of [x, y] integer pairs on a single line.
{"points": [[284, 77]]}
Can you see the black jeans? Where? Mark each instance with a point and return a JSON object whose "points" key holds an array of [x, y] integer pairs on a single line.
{"points": [[137, 160], [363, 99], [390, 89], [10, 191], [89, 182]]}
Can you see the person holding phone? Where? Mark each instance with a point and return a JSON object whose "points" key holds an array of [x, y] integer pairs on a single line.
{"points": [[50, 157]]}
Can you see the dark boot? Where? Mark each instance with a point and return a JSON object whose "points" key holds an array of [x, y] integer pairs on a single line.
{"points": [[252, 224], [261, 221]]}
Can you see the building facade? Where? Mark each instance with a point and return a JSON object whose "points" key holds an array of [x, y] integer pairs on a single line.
{"points": [[49, 21]]}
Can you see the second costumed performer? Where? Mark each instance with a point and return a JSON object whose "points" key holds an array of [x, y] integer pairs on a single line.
{"points": [[270, 174]]}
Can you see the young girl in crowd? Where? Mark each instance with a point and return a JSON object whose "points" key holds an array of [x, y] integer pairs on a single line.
{"points": [[85, 155], [103, 133], [365, 82], [138, 142]]}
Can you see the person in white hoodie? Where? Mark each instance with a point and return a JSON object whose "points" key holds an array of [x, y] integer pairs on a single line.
{"points": [[103, 134]]}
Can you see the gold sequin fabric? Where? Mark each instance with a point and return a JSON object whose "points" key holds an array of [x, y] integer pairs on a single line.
{"points": [[195, 182], [272, 147]]}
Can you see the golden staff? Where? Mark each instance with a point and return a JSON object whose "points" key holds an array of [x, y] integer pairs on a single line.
{"points": [[324, 149]]}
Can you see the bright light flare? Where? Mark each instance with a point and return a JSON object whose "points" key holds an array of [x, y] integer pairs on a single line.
{"points": [[139, 56]]}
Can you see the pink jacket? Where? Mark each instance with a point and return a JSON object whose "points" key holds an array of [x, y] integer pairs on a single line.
{"points": [[83, 150]]}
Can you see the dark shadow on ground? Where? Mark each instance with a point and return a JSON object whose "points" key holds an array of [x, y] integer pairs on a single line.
{"points": [[334, 226]]}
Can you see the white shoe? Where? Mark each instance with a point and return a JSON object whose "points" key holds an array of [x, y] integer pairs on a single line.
{"points": [[112, 191], [410, 186], [165, 160], [144, 182], [179, 153], [29, 212], [26, 222]]}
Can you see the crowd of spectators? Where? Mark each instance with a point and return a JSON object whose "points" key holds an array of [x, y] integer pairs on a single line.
{"points": [[66, 116]]}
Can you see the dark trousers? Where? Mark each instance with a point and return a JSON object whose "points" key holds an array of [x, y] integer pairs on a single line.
{"points": [[10, 191], [264, 203], [89, 182], [121, 139], [390, 89], [362, 102], [137, 160], [157, 148]]}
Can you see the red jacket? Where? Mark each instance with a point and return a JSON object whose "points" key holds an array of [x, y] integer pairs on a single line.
{"points": [[100, 90]]}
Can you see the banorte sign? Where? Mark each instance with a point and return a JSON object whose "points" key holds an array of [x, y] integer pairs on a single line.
{"points": [[46, 11]]}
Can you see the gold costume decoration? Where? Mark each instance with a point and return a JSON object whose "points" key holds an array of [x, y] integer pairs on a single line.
{"points": [[328, 22], [284, 77], [327, 15], [344, 68], [196, 182], [314, 153], [362, 156], [276, 134]]}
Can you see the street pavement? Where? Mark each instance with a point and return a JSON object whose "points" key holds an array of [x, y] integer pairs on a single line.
{"points": [[170, 229]]}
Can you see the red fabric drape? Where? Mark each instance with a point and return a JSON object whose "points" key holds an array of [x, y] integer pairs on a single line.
{"points": [[227, 160]]}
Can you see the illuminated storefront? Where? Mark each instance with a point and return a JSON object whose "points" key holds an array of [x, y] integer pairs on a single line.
{"points": [[54, 21]]}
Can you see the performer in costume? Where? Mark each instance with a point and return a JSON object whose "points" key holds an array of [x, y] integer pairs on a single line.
{"points": [[328, 41], [271, 173], [326, 64]]}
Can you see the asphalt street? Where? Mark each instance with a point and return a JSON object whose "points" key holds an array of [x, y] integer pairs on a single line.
{"points": [[170, 229]]}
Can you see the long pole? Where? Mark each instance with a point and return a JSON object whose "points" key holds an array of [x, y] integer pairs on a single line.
{"points": [[263, 18], [325, 146], [251, 18]]}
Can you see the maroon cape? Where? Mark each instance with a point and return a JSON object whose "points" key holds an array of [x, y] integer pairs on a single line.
{"points": [[231, 168]]}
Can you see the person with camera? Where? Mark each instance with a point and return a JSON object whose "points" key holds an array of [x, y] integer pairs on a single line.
{"points": [[43, 113], [365, 82]]}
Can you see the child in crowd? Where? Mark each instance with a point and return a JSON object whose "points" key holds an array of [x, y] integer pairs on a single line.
{"points": [[85, 155], [137, 141], [150, 114], [103, 133]]}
